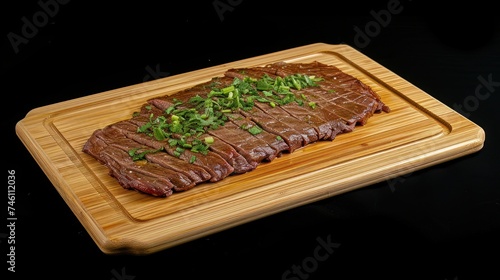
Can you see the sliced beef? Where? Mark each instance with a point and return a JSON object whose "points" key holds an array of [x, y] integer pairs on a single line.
{"points": [[238, 160], [336, 105], [336, 110], [335, 79], [335, 93], [261, 143], [128, 174], [292, 137], [148, 178], [194, 172], [253, 149], [94, 146], [323, 120], [176, 167], [272, 140], [214, 164], [241, 163], [309, 132]]}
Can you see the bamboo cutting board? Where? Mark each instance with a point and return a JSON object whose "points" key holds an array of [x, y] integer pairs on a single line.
{"points": [[419, 132]]}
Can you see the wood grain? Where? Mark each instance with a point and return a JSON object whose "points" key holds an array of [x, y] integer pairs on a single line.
{"points": [[419, 132]]}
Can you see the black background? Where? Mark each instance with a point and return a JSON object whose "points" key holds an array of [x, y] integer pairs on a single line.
{"points": [[442, 222]]}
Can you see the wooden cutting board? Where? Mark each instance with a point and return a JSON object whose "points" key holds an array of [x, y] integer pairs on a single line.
{"points": [[419, 132]]}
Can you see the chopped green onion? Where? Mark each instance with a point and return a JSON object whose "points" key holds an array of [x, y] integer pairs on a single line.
{"points": [[209, 140], [209, 111], [136, 154], [192, 159], [254, 130], [227, 89]]}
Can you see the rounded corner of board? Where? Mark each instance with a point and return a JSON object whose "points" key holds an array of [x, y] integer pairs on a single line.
{"points": [[481, 137], [122, 246]]}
